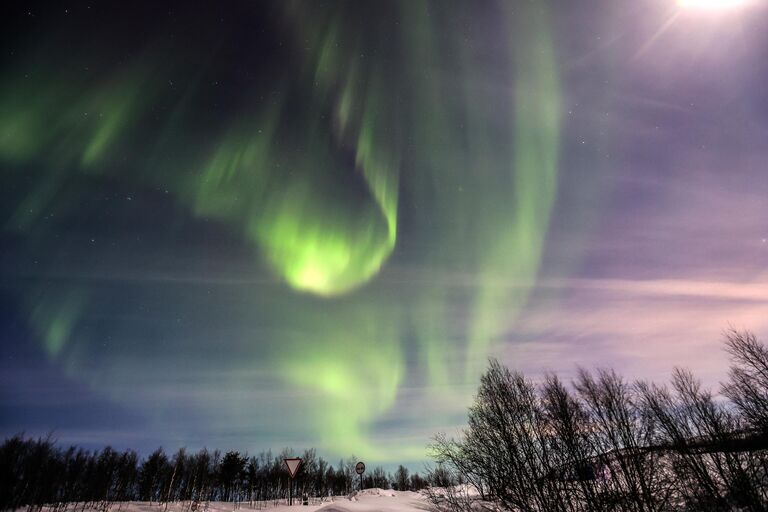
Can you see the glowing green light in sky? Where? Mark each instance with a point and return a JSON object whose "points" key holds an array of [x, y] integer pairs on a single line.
{"points": [[69, 122], [488, 162], [382, 134], [514, 254], [71, 126], [56, 316], [316, 250], [319, 240], [352, 367]]}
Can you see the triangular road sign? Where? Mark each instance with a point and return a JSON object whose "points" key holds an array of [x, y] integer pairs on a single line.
{"points": [[293, 466]]}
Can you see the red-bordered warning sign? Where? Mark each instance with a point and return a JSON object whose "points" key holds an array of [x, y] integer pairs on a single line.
{"points": [[293, 466]]}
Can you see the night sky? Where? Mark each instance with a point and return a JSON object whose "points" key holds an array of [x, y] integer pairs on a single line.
{"points": [[253, 225]]}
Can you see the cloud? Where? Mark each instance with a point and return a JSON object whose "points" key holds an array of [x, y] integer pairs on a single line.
{"points": [[643, 328]]}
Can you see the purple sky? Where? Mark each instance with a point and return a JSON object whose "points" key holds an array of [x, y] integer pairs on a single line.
{"points": [[141, 308]]}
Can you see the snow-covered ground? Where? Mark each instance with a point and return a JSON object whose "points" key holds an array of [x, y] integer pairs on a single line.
{"points": [[369, 500]]}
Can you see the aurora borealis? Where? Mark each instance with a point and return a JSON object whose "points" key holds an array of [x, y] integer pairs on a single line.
{"points": [[254, 225]]}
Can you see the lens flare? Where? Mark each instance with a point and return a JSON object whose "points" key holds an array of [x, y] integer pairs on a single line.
{"points": [[711, 4]]}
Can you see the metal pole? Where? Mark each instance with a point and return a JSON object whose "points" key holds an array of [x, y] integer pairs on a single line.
{"points": [[290, 492], [361, 481]]}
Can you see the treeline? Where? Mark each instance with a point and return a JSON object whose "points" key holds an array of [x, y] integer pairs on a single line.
{"points": [[604, 444], [36, 472]]}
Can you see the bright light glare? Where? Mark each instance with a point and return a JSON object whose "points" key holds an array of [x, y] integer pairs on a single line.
{"points": [[711, 4]]}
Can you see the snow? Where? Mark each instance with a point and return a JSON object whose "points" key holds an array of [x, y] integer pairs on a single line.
{"points": [[369, 500]]}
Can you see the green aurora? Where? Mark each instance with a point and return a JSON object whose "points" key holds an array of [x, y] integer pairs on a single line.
{"points": [[374, 138]]}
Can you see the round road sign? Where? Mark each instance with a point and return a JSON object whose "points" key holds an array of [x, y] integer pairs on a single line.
{"points": [[360, 468]]}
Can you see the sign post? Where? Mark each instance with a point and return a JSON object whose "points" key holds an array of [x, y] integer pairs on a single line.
{"points": [[293, 468], [360, 469]]}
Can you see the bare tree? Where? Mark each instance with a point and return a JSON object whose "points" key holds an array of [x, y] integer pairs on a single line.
{"points": [[506, 454], [747, 387], [574, 455], [611, 445], [620, 434]]}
